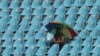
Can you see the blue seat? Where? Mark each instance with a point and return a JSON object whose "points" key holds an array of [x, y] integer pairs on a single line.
{"points": [[36, 3], [70, 20], [8, 35], [47, 19], [30, 42], [19, 34], [97, 43], [79, 2], [89, 2], [94, 33], [49, 11], [81, 18], [68, 3], [60, 11], [97, 2], [19, 43], [4, 4], [65, 50], [83, 10], [38, 11], [90, 26], [72, 10], [30, 35], [98, 25], [25, 4], [41, 43], [31, 51], [14, 4], [41, 51], [3, 25], [86, 51], [88, 41], [18, 51], [75, 50], [7, 51], [4, 20], [36, 19], [96, 51], [46, 3], [4, 13], [12, 27], [79, 26], [94, 10], [26, 12], [57, 3], [60, 19], [53, 50], [84, 33], [15, 13], [40, 34]]}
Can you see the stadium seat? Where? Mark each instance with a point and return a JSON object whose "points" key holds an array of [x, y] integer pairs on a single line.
{"points": [[97, 43], [26, 12], [79, 3], [57, 3], [46, 3], [95, 10], [36, 19], [14, 4], [60, 19], [68, 3], [15, 13], [36, 3], [89, 2], [97, 2], [4, 4], [4, 13], [96, 51], [87, 41]]}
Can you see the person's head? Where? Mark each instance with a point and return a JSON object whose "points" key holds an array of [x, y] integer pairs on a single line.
{"points": [[58, 29]]}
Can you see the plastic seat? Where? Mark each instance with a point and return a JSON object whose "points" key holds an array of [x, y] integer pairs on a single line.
{"points": [[70, 20], [60, 11], [88, 41], [68, 3], [14, 4], [7, 51], [18, 51], [4, 4], [79, 2], [84, 33], [59, 19], [41, 43], [90, 26], [15, 13], [30, 35], [19, 43], [57, 3], [36, 19], [66, 48], [25, 4], [46, 3], [41, 51], [79, 26], [40, 34], [36, 3], [3, 26], [98, 25], [19, 34], [53, 50], [49, 11], [81, 18], [97, 43], [72, 10], [86, 51], [97, 2], [47, 19], [38, 11], [75, 50], [94, 10], [26, 12], [89, 2], [96, 51], [4, 13], [30, 42], [83, 10], [94, 33], [7, 35], [31, 51]]}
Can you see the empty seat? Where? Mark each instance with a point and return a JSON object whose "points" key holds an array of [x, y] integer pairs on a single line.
{"points": [[41, 51], [87, 41], [98, 25], [68, 3], [60, 19], [53, 50], [15, 13], [96, 51], [83, 10], [95, 10], [14, 4], [36, 19], [4, 13], [97, 2], [60, 11], [79, 2], [46, 3], [89, 2], [38, 11], [57, 3], [36, 3], [81, 18], [72, 10], [97, 43], [4, 4], [49, 11]]}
